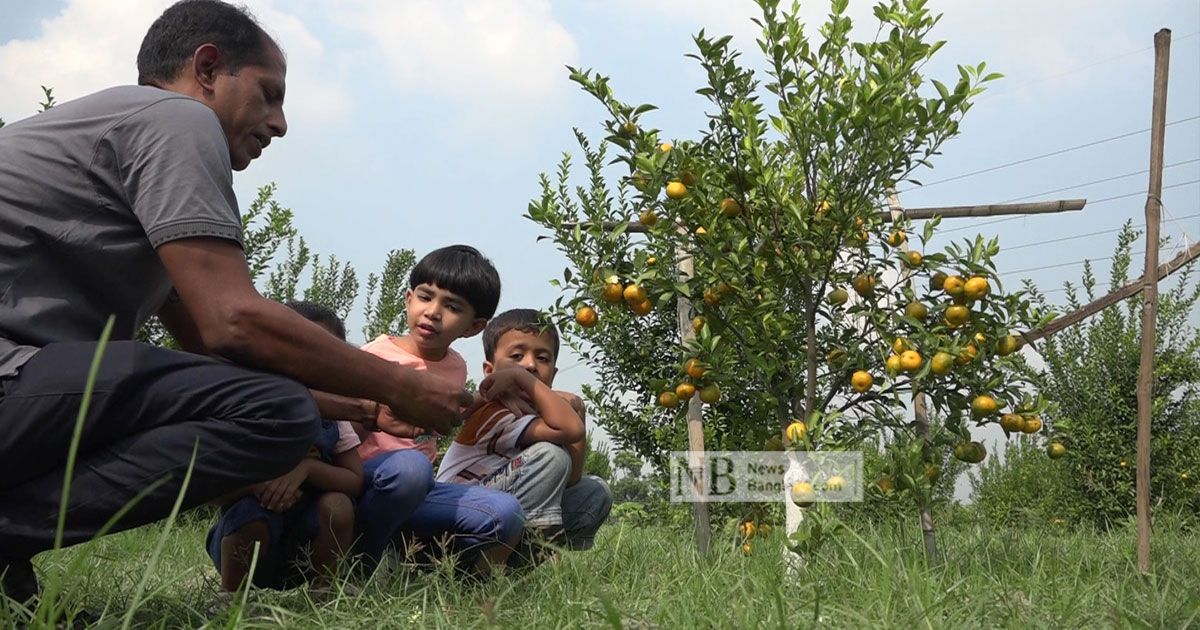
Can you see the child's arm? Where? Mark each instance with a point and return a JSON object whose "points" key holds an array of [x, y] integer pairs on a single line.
{"points": [[557, 422], [577, 449]]}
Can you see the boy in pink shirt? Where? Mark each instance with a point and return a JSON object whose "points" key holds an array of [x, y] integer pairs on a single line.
{"points": [[453, 292]]}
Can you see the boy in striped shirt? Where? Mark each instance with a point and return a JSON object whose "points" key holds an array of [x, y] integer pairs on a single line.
{"points": [[537, 457]]}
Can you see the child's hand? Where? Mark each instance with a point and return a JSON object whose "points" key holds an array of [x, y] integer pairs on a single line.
{"points": [[511, 387], [281, 493], [575, 401], [390, 424]]}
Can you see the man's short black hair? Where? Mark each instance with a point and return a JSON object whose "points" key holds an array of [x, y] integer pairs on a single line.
{"points": [[523, 319], [462, 270], [320, 314], [186, 25]]}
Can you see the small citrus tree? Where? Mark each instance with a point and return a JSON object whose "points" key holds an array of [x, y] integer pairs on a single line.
{"points": [[809, 315]]}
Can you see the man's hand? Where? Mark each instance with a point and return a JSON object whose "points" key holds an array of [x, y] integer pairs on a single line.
{"points": [[282, 493], [391, 425], [430, 402]]}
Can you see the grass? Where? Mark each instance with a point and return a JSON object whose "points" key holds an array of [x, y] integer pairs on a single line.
{"points": [[650, 578]]}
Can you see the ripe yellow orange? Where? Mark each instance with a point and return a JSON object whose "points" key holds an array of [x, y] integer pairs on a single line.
{"points": [[861, 380], [1032, 424], [668, 400], [641, 181], [724, 289], [1012, 422], [1007, 345], [695, 368], [700, 231], [1057, 450], [937, 281], [747, 529], [911, 360], [586, 317], [698, 324], [941, 363], [665, 147], [837, 297], [795, 432], [688, 178], [803, 494], [893, 364], [914, 258], [970, 452], [835, 483], [900, 344], [730, 207], [836, 357], [983, 405], [967, 355], [823, 209], [897, 238], [685, 391], [676, 190], [976, 288], [764, 529], [710, 394], [917, 311], [954, 285], [746, 549], [629, 128], [711, 297], [957, 315], [641, 308], [613, 293], [648, 218], [650, 261], [864, 285], [634, 293]]}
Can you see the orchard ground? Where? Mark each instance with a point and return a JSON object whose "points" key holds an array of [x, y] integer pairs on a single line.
{"points": [[650, 577]]}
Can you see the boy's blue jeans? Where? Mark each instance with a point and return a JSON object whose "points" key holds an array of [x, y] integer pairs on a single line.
{"points": [[401, 500], [538, 479]]}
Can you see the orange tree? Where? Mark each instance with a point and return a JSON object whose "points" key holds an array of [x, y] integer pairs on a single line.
{"points": [[806, 304]]}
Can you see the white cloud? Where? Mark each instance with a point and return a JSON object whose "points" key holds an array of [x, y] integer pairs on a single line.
{"points": [[93, 44], [487, 57]]}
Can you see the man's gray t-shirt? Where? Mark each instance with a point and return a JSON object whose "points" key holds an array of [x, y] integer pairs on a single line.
{"points": [[88, 190]]}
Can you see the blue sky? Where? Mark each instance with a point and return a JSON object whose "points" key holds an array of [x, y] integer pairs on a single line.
{"points": [[420, 123]]}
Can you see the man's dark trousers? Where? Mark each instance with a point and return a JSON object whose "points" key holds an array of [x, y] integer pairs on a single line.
{"points": [[149, 408]]}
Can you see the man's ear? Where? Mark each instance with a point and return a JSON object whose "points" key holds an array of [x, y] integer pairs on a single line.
{"points": [[206, 62], [488, 368], [477, 327]]}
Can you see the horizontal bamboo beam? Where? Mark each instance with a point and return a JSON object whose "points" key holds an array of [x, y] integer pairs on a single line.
{"points": [[945, 212], [1099, 304]]}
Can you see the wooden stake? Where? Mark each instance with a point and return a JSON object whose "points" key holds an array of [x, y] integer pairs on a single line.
{"points": [[1145, 383], [695, 422]]}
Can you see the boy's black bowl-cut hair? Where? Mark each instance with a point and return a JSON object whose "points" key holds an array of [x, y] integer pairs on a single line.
{"points": [[522, 319], [320, 314], [462, 270]]}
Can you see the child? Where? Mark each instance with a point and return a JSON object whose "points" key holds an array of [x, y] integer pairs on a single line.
{"points": [[311, 504], [537, 457], [452, 293]]}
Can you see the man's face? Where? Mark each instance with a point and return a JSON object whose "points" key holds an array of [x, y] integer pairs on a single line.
{"points": [[529, 351], [249, 105]]}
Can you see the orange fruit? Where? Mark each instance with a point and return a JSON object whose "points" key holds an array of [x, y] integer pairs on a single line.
{"points": [[941, 363], [613, 293], [695, 368], [914, 258], [983, 405], [836, 357], [967, 355], [885, 484], [1057, 450], [937, 281], [711, 297], [897, 238], [861, 381], [957, 315], [900, 344], [837, 297], [1007, 345], [746, 549], [730, 207], [586, 317], [641, 308], [685, 391], [648, 218], [710, 394], [688, 178], [1012, 422], [698, 324], [747, 529], [975, 288], [634, 293], [823, 209], [668, 400], [954, 285], [1033, 424], [803, 494], [795, 432], [665, 147], [917, 311], [911, 360], [864, 285], [893, 364], [676, 190], [629, 128], [970, 452], [650, 261]]}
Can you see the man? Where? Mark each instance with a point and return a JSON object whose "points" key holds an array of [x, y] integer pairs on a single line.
{"points": [[121, 203]]}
